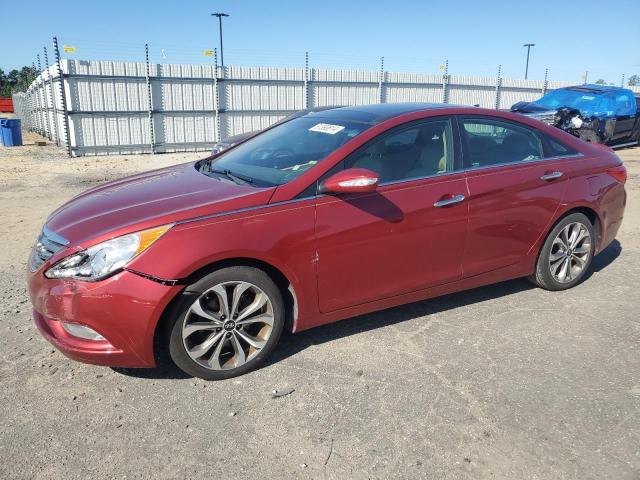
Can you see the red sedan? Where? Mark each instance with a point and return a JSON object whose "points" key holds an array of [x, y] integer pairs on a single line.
{"points": [[327, 216]]}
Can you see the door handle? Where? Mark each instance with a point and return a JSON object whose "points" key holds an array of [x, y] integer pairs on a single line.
{"points": [[449, 201], [551, 176]]}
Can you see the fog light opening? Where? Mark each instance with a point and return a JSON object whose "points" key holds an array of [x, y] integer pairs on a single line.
{"points": [[81, 331]]}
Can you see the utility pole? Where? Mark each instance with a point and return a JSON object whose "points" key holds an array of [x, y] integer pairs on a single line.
{"points": [[220, 15], [526, 70]]}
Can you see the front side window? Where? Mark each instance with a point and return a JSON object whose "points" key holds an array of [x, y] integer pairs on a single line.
{"points": [[623, 104], [419, 150], [493, 142], [284, 152]]}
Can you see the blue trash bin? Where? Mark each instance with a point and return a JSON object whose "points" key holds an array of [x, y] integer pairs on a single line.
{"points": [[11, 132], [1, 141]]}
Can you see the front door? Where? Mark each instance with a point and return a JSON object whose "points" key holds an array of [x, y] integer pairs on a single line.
{"points": [[624, 105], [408, 235]]}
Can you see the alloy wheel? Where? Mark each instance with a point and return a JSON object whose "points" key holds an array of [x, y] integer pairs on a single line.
{"points": [[570, 252], [228, 325]]}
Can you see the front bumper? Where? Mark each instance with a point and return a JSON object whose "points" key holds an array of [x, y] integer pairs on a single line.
{"points": [[124, 309]]}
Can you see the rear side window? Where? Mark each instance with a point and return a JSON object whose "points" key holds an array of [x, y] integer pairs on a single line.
{"points": [[494, 142]]}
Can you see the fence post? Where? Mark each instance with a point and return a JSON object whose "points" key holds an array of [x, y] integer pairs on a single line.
{"points": [[152, 138], [44, 106], [498, 88], [622, 81], [545, 84], [445, 83], [35, 114], [305, 98], [27, 106], [216, 95], [54, 134], [36, 99], [36, 92], [63, 98], [43, 127], [381, 93]]}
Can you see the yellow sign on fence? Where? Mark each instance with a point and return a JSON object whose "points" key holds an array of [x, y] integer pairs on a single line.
{"points": [[209, 53], [69, 48]]}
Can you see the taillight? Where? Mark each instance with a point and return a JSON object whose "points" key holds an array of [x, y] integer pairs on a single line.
{"points": [[619, 173]]}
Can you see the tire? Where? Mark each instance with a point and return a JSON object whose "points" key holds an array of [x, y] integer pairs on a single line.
{"points": [[216, 339], [555, 257]]}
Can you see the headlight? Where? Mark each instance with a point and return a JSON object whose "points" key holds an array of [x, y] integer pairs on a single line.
{"points": [[101, 260], [576, 122]]}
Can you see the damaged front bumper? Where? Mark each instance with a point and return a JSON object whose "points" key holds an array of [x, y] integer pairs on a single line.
{"points": [[589, 129]]}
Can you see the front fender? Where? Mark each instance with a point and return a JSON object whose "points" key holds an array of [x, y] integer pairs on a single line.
{"points": [[281, 236]]}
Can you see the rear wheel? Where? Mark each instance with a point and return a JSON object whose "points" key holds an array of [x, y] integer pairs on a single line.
{"points": [[227, 323], [566, 254]]}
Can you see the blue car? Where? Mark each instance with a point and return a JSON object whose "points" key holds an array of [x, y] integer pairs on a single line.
{"points": [[594, 113]]}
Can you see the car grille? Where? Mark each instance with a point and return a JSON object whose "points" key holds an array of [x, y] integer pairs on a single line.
{"points": [[48, 243]]}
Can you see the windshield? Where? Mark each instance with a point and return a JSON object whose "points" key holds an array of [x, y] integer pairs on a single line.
{"points": [[286, 151], [588, 103]]}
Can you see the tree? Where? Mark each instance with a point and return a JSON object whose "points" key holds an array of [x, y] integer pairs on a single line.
{"points": [[601, 81], [15, 81], [634, 80]]}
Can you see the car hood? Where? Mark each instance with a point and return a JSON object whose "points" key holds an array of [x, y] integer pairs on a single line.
{"points": [[149, 199], [532, 110], [530, 107]]}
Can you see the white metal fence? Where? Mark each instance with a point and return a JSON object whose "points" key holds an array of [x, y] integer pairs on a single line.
{"points": [[105, 107]]}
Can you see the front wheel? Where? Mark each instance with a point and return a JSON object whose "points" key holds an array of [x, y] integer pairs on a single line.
{"points": [[227, 323], [566, 254]]}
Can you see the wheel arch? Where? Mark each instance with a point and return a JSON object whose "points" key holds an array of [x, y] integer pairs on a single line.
{"points": [[279, 278], [586, 210]]}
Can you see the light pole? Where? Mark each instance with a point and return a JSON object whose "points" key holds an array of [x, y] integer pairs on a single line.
{"points": [[220, 15], [526, 70]]}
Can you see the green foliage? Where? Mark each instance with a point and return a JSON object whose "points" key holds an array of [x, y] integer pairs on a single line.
{"points": [[15, 81], [601, 81], [634, 80]]}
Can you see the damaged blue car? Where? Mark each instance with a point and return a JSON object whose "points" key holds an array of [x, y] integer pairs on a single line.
{"points": [[594, 113]]}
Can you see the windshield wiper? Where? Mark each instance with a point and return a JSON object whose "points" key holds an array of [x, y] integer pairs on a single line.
{"points": [[236, 177]]}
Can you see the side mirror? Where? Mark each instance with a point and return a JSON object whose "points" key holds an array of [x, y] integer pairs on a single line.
{"points": [[351, 180]]}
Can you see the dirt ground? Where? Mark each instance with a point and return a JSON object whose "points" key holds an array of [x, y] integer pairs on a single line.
{"points": [[506, 381]]}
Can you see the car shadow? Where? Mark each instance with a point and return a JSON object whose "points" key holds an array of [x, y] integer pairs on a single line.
{"points": [[291, 344], [295, 343]]}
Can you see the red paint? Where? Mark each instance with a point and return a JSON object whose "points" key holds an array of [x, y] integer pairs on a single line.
{"points": [[344, 254], [360, 240], [6, 104]]}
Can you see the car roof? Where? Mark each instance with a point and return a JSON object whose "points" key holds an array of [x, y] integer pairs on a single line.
{"points": [[377, 112], [593, 88]]}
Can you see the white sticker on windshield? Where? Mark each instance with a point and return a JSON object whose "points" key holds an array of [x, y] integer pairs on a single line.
{"points": [[326, 128]]}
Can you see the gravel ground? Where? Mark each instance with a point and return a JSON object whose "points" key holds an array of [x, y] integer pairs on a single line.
{"points": [[506, 381]]}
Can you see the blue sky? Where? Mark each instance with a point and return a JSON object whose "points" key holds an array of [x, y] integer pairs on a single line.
{"points": [[412, 35]]}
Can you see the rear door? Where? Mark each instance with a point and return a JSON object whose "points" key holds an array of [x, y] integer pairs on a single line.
{"points": [[515, 186], [406, 236]]}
